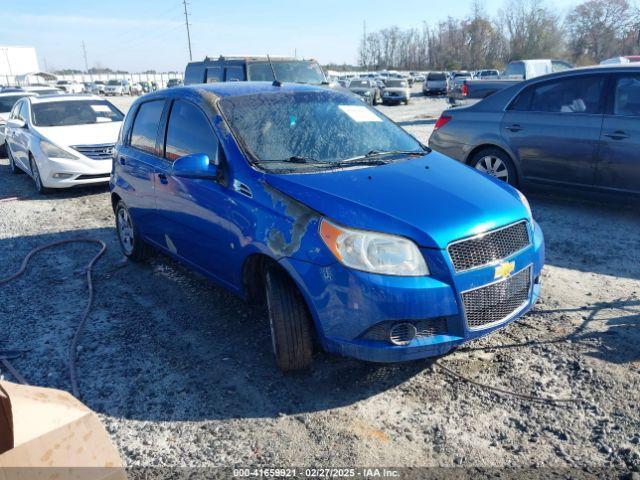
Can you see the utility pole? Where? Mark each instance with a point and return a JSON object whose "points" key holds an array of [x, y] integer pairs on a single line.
{"points": [[186, 21], [86, 63]]}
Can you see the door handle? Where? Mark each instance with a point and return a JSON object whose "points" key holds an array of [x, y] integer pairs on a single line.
{"points": [[122, 161], [617, 135], [163, 178], [514, 128]]}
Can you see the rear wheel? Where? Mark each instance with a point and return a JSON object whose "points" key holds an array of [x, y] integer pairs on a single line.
{"points": [[291, 327], [131, 243], [495, 162]]}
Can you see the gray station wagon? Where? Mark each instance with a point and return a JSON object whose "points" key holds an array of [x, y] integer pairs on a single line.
{"points": [[579, 127]]}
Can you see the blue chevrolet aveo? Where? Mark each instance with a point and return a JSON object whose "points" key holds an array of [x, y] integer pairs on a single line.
{"points": [[353, 234]]}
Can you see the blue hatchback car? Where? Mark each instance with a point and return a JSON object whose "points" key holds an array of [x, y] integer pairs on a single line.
{"points": [[355, 235]]}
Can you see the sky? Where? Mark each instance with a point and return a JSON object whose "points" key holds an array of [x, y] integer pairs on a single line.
{"points": [[139, 35]]}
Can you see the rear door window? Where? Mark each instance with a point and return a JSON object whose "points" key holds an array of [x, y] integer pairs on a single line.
{"points": [[235, 74], [145, 126], [215, 75], [569, 95], [626, 100], [189, 132]]}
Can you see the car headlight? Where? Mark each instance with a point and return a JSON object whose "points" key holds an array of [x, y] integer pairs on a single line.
{"points": [[372, 251], [52, 151], [367, 94], [525, 202]]}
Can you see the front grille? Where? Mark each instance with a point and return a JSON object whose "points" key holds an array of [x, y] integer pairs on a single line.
{"points": [[96, 152], [497, 301], [489, 247], [424, 328]]}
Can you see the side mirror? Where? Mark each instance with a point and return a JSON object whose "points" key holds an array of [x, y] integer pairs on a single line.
{"points": [[16, 123], [195, 165]]}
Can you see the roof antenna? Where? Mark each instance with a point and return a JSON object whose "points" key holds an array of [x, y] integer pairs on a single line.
{"points": [[276, 82]]}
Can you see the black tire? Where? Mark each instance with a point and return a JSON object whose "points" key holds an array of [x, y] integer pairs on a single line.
{"points": [[291, 327], [134, 248], [512, 175], [3, 150], [35, 175]]}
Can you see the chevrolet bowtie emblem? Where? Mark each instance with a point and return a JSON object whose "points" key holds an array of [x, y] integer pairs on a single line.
{"points": [[504, 269]]}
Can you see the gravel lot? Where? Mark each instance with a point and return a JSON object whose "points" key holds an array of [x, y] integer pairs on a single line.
{"points": [[181, 371]]}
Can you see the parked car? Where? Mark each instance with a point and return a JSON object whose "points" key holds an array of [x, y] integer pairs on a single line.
{"points": [[117, 87], [174, 82], [472, 91], [487, 74], [367, 89], [8, 98], [230, 69], [436, 83], [95, 88], [575, 128], [69, 87], [63, 140], [621, 60], [396, 91], [246, 184], [136, 89], [454, 86]]}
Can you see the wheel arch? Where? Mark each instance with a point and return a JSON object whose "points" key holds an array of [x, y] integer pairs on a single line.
{"points": [[254, 270], [502, 148]]}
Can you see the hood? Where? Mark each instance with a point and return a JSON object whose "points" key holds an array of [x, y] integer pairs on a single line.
{"points": [[92, 134], [433, 200]]}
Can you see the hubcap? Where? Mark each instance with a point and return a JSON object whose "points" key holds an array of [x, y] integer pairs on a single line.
{"points": [[494, 167], [125, 230]]}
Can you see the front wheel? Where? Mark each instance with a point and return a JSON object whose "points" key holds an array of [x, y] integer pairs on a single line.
{"points": [[496, 163], [35, 174], [131, 243], [291, 327], [12, 163]]}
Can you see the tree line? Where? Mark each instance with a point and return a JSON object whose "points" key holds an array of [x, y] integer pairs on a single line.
{"points": [[592, 31]]}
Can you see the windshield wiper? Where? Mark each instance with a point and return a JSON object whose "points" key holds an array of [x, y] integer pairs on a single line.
{"points": [[384, 153]]}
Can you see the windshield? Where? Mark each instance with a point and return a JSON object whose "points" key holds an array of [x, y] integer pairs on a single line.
{"points": [[396, 83], [76, 112], [316, 126], [63, 82], [359, 83], [7, 103], [114, 82], [288, 71]]}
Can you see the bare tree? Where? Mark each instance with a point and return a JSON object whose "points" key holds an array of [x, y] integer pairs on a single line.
{"points": [[599, 29], [532, 30]]}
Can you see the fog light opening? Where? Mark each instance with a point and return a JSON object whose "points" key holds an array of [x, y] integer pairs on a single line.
{"points": [[62, 176], [402, 333]]}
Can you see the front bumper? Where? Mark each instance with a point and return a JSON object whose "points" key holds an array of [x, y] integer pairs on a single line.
{"points": [[82, 172], [345, 304]]}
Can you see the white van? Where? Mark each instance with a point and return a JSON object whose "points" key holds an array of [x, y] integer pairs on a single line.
{"points": [[526, 69]]}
